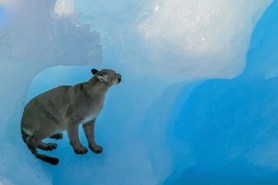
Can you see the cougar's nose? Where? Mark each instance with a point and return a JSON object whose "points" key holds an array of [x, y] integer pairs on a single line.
{"points": [[119, 77]]}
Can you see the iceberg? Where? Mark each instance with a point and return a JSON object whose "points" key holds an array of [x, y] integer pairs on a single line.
{"points": [[196, 105]]}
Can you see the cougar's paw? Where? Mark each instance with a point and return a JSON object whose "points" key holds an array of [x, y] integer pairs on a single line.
{"points": [[96, 149], [80, 149], [57, 136], [51, 146], [53, 161]]}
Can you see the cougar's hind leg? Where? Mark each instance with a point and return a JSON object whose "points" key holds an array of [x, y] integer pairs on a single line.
{"points": [[37, 142], [45, 158], [57, 136], [33, 149]]}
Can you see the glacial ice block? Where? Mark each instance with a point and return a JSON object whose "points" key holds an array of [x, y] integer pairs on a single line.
{"points": [[157, 45]]}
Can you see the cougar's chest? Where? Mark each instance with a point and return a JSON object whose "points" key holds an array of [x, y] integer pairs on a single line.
{"points": [[89, 118], [92, 113]]}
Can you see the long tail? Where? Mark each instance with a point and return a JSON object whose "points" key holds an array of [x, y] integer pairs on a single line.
{"points": [[33, 149]]}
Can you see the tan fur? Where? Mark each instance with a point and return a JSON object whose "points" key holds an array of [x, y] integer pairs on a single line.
{"points": [[64, 108]]}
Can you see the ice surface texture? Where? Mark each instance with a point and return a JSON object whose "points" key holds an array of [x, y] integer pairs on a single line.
{"points": [[156, 127], [229, 127]]}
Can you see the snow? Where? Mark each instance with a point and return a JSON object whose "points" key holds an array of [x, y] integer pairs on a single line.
{"points": [[166, 123]]}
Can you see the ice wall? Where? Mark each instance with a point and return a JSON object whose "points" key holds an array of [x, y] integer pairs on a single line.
{"points": [[227, 130], [158, 46]]}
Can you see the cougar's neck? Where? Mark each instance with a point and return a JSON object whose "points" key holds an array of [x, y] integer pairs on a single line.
{"points": [[96, 87]]}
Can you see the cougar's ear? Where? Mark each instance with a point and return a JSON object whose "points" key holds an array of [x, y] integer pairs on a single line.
{"points": [[102, 78], [94, 71]]}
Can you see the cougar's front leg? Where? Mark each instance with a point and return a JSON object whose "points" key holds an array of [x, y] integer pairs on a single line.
{"points": [[89, 130], [72, 129]]}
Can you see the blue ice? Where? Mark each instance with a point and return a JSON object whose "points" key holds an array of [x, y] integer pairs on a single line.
{"points": [[2, 15], [229, 127], [197, 104]]}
